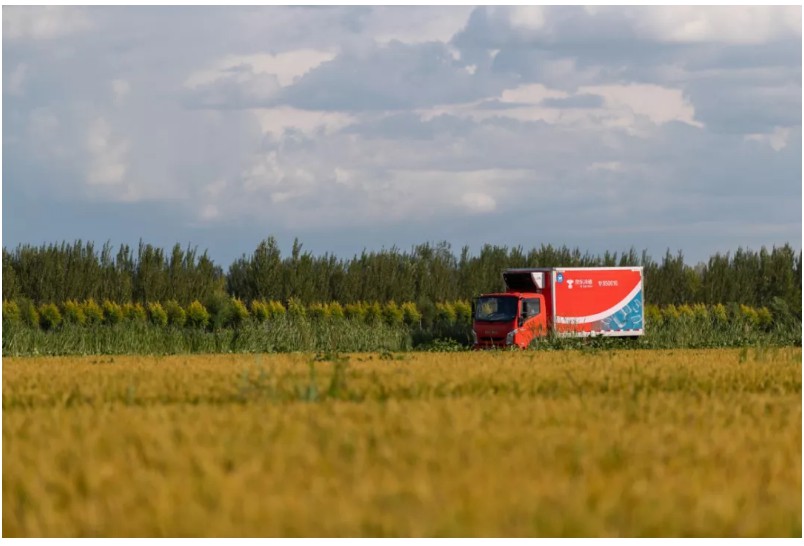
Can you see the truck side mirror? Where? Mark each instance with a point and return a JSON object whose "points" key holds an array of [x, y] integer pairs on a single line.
{"points": [[473, 308]]}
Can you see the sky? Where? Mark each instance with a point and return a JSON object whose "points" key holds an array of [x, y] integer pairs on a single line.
{"points": [[351, 128]]}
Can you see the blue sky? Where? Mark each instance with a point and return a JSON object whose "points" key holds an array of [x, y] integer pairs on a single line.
{"points": [[364, 127]]}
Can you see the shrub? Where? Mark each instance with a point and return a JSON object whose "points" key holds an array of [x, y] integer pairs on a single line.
{"points": [[157, 314], [670, 313], [335, 310], [259, 310], [295, 309], [197, 315], [276, 309], [92, 312], [134, 312], [175, 314], [49, 316], [463, 312], [445, 313], [28, 313], [373, 313], [701, 313], [653, 316], [392, 314], [219, 307], [749, 316], [112, 312], [355, 311], [720, 315], [73, 312], [11, 311], [685, 313], [239, 313], [411, 314], [764, 318], [318, 311]]}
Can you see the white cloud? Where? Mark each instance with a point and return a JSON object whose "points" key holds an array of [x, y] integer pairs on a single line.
{"points": [[286, 66], [777, 140], [280, 119], [479, 202], [43, 22], [107, 164], [120, 90], [613, 166], [657, 103], [533, 93], [414, 25], [724, 24], [626, 107], [526, 17]]}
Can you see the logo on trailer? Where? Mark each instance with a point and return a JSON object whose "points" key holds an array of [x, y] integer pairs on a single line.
{"points": [[569, 283], [560, 277]]}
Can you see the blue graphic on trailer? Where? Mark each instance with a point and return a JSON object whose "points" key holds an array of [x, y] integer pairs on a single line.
{"points": [[627, 318], [559, 277]]}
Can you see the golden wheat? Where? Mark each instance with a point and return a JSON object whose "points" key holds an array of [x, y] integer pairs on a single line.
{"points": [[637, 443]]}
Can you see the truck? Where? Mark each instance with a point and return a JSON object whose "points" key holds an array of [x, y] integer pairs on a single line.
{"points": [[560, 301]]}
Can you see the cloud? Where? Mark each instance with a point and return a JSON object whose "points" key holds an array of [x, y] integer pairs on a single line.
{"points": [[120, 89], [286, 66], [589, 126], [108, 155], [43, 22], [777, 140], [423, 74]]}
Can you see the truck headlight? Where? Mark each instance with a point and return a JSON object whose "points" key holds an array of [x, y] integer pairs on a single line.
{"points": [[509, 339]]}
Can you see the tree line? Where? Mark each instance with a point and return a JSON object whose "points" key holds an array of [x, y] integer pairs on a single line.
{"points": [[427, 273]]}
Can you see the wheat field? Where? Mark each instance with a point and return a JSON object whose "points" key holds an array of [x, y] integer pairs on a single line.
{"points": [[565, 443]]}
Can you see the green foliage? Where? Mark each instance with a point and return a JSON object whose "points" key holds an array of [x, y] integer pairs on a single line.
{"points": [[392, 314], [259, 310], [219, 308], [29, 313], [276, 310], [373, 313], [134, 312], [197, 315], [112, 312], [318, 312], [176, 315], [427, 273], [445, 313], [239, 313], [720, 315], [157, 314], [653, 316], [410, 314], [335, 310], [355, 311], [296, 309], [11, 312], [73, 313], [92, 311], [463, 312], [49, 316]]}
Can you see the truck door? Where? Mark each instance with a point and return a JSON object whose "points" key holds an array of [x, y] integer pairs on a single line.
{"points": [[533, 318]]}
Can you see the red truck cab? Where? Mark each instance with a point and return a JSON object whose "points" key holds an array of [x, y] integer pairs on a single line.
{"points": [[509, 319]]}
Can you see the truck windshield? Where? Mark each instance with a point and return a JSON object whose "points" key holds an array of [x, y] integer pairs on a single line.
{"points": [[496, 309]]}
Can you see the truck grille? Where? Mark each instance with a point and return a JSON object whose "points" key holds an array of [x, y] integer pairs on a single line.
{"points": [[489, 342]]}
